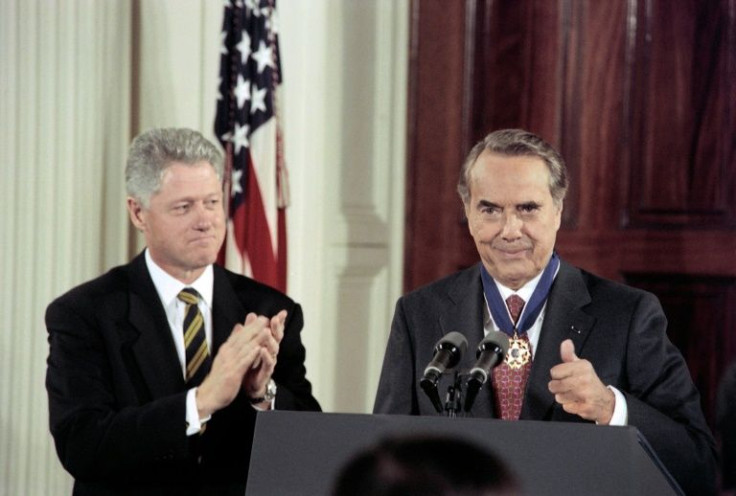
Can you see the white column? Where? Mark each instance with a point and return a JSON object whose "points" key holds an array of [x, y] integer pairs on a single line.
{"points": [[345, 76], [178, 60]]}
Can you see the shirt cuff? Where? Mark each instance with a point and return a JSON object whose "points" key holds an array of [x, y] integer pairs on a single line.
{"points": [[271, 406], [620, 409], [194, 424]]}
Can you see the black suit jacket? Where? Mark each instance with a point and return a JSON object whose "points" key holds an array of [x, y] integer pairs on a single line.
{"points": [[726, 413], [619, 329], [117, 395]]}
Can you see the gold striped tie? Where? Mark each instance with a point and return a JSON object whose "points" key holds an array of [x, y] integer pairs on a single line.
{"points": [[195, 341]]}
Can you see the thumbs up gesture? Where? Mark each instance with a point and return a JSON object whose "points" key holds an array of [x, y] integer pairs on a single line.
{"points": [[578, 389]]}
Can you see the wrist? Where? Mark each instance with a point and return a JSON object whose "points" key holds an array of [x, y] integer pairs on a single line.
{"points": [[203, 409], [268, 395], [609, 408]]}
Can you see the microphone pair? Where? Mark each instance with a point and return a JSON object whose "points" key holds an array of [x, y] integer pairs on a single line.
{"points": [[447, 354]]}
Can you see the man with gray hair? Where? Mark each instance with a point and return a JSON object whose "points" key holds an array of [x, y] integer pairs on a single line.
{"points": [[156, 369], [582, 348]]}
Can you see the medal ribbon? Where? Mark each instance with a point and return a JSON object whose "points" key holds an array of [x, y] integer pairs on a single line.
{"points": [[497, 307]]}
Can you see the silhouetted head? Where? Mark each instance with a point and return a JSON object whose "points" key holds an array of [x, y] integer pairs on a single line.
{"points": [[426, 466]]}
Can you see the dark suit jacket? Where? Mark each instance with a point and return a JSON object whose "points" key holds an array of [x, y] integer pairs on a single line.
{"points": [[117, 395], [726, 413], [620, 330]]}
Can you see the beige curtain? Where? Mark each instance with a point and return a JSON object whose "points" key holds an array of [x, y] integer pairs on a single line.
{"points": [[64, 125]]}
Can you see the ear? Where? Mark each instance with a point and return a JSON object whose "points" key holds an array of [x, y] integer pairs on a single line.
{"points": [[466, 209], [558, 219], [136, 213]]}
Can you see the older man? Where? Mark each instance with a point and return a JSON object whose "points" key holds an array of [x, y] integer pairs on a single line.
{"points": [[156, 369], [582, 348]]}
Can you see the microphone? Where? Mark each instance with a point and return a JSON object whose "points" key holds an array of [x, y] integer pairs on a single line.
{"points": [[491, 352], [447, 354]]}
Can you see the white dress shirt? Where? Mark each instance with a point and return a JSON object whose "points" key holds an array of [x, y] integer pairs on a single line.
{"points": [[168, 288]]}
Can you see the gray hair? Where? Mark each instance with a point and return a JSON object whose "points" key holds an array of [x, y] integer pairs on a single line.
{"points": [[515, 143], [152, 151]]}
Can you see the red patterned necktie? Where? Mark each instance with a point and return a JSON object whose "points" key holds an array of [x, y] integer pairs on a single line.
{"points": [[509, 378]]}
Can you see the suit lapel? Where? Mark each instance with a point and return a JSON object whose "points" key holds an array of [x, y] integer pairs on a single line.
{"points": [[464, 314], [147, 331], [564, 319], [150, 338], [227, 309]]}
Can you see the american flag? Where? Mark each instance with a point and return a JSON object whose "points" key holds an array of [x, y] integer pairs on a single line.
{"points": [[247, 125]]}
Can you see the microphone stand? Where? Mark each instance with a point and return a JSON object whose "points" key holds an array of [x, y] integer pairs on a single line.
{"points": [[454, 395]]}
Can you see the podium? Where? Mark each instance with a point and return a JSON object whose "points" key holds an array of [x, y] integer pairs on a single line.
{"points": [[301, 453]]}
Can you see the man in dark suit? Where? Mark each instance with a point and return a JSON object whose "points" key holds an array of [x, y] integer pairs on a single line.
{"points": [[138, 407], [726, 420], [583, 348]]}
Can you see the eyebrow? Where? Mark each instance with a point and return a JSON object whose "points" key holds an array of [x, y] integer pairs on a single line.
{"points": [[190, 199], [527, 204], [486, 203]]}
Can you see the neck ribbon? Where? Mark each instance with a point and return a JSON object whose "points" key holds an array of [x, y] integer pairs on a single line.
{"points": [[532, 308]]}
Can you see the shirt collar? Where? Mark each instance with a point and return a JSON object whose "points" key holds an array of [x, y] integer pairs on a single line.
{"points": [[525, 291], [169, 287]]}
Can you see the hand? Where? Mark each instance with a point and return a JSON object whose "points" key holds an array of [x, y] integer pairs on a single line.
{"points": [[257, 377], [578, 389], [243, 350]]}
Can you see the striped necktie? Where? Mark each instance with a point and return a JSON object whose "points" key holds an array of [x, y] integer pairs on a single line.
{"points": [[195, 341]]}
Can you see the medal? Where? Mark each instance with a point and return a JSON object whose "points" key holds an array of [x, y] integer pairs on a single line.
{"points": [[519, 353]]}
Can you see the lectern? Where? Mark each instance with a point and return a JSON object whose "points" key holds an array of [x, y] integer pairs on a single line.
{"points": [[301, 453]]}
